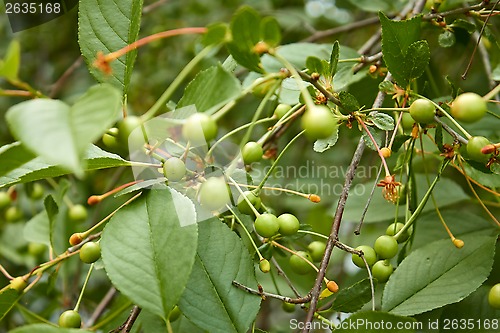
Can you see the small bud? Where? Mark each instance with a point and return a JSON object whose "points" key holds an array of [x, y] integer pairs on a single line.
{"points": [[332, 286], [261, 48], [386, 152], [264, 266], [76, 239], [315, 76], [488, 149], [458, 243], [314, 198], [93, 200], [18, 283]]}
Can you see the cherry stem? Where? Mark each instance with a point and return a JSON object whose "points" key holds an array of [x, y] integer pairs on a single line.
{"points": [[148, 39], [387, 172], [244, 196], [94, 199], [422, 203], [269, 172], [477, 196], [274, 243], [247, 233], [492, 93], [5, 273], [83, 288], [312, 197], [313, 233]]}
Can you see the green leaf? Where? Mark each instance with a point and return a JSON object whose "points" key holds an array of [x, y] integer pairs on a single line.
{"points": [[334, 59], [438, 274], [37, 229], [349, 102], [352, 298], [9, 66], [322, 145], [270, 31], [108, 26], [314, 65], [382, 121], [446, 39], [52, 210], [45, 328], [366, 322], [376, 134], [245, 34], [210, 300], [61, 134], [463, 24], [12, 156], [216, 34], [8, 299], [486, 179], [405, 56], [210, 88], [387, 87], [95, 158], [149, 248]]}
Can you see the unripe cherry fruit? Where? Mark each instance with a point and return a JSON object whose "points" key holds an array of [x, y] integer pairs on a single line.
{"points": [[386, 152], [174, 169], [267, 225], [4, 199], [264, 266], [70, 319], [468, 107], [369, 254], [386, 247], [37, 191], [382, 270], [316, 250], [299, 265], [214, 193], [199, 128], [243, 204], [394, 228], [318, 122], [281, 110], [18, 284], [77, 213], [13, 214], [422, 111], [126, 126], [288, 307], [252, 152], [288, 224], [494, 296], [90, 252], [474, 146]]}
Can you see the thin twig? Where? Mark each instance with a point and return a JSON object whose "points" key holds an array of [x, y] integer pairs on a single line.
{"points": [[56, 87], [345, 28], [101, 307], [283, 274], [333, 238], [357, 231], [126, 327]]}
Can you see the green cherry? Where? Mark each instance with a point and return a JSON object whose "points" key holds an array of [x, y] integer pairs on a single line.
{"points": [[422, 111], [243, 204], [386, 247], [70, 319], [494, 296], [316, 250], [13, 214], [36, 192], [90, 252], [4, 200], [474, 146], [394, 228], [199, 128], [288, 307], [174, 169], [318, 122], [174, 314], [252, 152], [267, 225], [299, 265], [369, 254], [288, 224], [281, 110], [214, 193], [468, 107], [77, 213], [382, 270]]}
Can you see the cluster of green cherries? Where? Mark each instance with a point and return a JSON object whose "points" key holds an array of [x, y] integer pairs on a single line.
{"points": [[384, 249], [467, 108]]}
